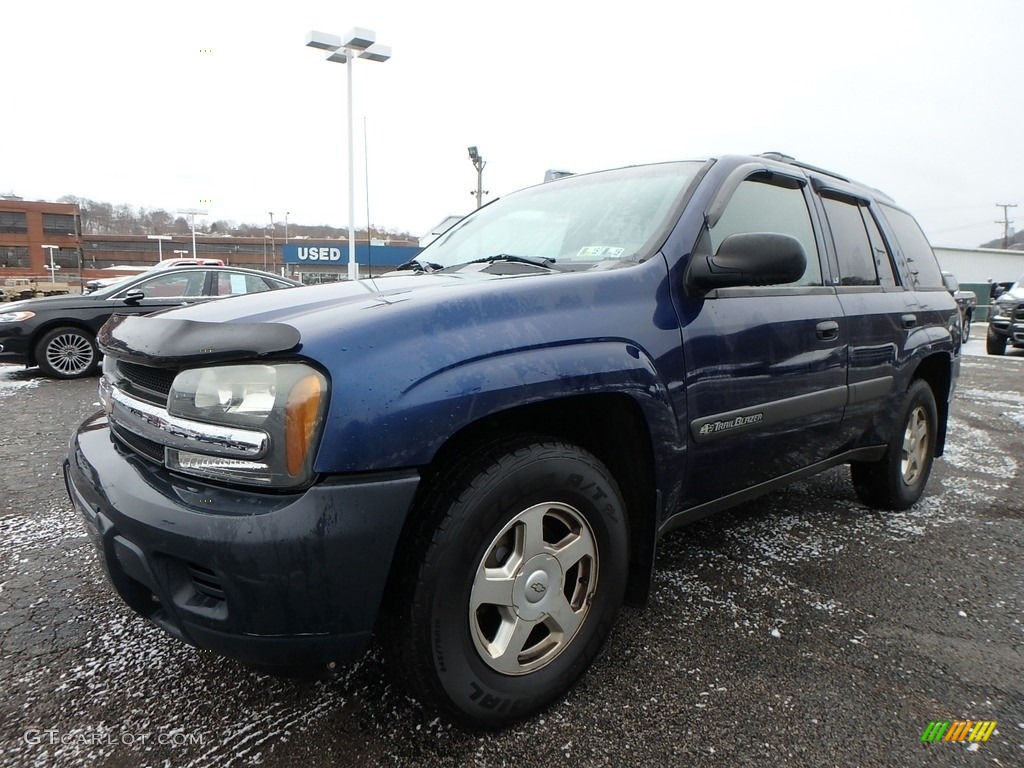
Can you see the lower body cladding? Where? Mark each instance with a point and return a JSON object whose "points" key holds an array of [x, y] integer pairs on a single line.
{"points": [[266, 579]]}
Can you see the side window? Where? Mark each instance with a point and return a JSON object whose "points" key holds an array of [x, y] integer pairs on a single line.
{"points": [[915, 247], [883, 259], [757, 206], [175, 285], [855, 248], [229, 284]]}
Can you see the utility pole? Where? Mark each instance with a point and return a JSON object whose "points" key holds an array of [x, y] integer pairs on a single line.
{"points": [[478, 163], [1005, 222]]}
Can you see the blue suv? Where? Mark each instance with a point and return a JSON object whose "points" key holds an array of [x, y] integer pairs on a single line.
{"points": [[476, 458]]}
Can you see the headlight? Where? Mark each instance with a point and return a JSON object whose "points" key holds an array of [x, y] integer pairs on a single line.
{"points": [[15, 317], [286, 401], [1002, 310]]}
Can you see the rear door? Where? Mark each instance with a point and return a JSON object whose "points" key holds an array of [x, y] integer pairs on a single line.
{"points": [[878, 312]]}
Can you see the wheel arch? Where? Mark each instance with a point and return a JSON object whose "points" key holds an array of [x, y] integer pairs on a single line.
{"points": [[937, 371], [611, 426]]}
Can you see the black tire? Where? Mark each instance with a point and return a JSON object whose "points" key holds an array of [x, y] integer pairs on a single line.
{"points": [[67, 353], [995, 344], [965, 332], [897, 480], [499, 524]]}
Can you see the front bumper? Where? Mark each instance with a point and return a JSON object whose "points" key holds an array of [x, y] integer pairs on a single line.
{"points": [[13, 346], [263, 578], [1012, 329]]}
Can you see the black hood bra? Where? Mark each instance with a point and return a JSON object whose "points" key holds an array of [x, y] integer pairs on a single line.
{"points": [[166, 342]]}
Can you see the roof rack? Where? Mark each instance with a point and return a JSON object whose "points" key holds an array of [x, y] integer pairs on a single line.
{"points": [[790, 160]]}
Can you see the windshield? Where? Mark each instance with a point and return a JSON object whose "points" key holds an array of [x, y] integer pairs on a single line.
{"points": [[576, 223]]}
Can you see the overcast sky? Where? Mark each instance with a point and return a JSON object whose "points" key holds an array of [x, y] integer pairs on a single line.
{"points": [[175, 104]]}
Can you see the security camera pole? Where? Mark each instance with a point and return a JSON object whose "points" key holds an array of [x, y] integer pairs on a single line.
{"points": [[478, 163]]}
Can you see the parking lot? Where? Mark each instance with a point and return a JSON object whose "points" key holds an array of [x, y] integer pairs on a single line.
{"points": [[801, 629]]}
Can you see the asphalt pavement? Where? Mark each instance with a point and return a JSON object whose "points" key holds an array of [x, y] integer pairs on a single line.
{"points": [[801, 629]]}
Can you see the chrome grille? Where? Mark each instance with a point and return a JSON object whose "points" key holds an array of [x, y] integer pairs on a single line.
{"points": [[148, 383]]}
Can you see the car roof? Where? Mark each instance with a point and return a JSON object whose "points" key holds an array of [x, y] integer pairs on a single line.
{"points": [[187, 269]]}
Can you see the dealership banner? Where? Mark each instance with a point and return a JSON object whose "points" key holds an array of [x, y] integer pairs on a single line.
{"points": [[315, 255]]}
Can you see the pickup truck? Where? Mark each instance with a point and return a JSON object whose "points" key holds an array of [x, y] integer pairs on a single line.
{"points": [[966, 302], [17, 288], [1006, 320], [476, 458]]}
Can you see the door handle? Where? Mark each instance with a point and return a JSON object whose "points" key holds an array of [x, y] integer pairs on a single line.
{"points": [[828, 330], [909, 321]]}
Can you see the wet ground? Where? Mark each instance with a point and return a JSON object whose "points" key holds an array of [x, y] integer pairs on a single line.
{"points": [[801, 629]]}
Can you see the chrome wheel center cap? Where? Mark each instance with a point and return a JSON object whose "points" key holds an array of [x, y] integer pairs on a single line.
{"points": [[537, 586]]}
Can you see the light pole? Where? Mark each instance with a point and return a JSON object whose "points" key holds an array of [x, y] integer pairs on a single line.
{"points": [[159, 243], [192, 212], [273, 239], [286, 227], [358, 42], [478, 163], [53, 273]]}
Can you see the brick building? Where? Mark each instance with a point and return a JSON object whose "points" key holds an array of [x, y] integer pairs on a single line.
{"points": [[26, 226]]}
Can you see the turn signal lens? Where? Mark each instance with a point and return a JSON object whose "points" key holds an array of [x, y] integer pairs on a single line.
{"points": [[302, 416]]}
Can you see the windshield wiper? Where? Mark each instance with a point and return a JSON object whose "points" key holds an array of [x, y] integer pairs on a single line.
{"points": [[419, 266], [543, 261]]}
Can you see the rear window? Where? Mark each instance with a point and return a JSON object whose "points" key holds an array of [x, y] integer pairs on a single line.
{"points": [[918, 253]]}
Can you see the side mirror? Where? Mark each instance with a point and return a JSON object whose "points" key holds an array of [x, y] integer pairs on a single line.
{"points": [[134, 296], [951, 283], [748, 259]]}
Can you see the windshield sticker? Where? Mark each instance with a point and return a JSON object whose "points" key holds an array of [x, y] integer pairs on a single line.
{"points": [[599, 252]]}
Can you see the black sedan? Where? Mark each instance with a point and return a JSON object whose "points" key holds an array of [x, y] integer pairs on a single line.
{"points": [[58, 333]]}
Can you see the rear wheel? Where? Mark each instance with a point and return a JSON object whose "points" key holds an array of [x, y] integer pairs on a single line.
{"points": [[897, 480], [512, 581], [67, 353], [965, 332], [995, 343]]}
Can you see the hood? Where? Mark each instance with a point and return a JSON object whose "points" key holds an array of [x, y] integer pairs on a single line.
{"points": [[74, 301], [307, 307], [271, 322], [1014, 294]]}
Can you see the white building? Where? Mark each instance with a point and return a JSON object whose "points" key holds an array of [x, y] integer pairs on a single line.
{"points": [[981, 265]]}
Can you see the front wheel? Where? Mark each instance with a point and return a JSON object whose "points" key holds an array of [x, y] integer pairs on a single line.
{"points": [[512, 581], [995, 343], [897, 480], [965, 332], [67, 353]]}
